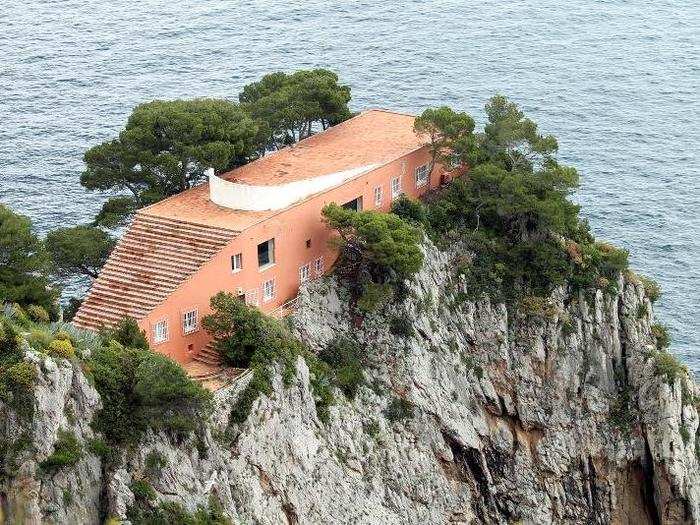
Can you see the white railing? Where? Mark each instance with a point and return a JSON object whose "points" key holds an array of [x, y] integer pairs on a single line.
{"points": [[285, 309]]}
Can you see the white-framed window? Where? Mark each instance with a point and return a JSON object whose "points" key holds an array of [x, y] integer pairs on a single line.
{"points": [[304, 273], [189, 321], [237, 262], [377, 196], [160, 331], [421, 175], [251, 298], [266, 254], [395, 187], [318, 266], [268, 288]]}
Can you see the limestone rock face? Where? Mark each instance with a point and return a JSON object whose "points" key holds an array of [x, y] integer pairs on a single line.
{"points": [[547, 414]]}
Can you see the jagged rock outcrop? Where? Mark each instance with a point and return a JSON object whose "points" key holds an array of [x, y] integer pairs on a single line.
{"points": [[549, 414]]}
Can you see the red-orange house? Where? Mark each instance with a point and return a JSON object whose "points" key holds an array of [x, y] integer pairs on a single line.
{"points": [[256, 231]]}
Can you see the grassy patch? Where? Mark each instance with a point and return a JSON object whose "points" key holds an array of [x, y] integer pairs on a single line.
{"points": [[399, 409], [67, 452]]}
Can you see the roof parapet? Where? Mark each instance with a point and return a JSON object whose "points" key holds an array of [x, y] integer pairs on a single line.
{"points": [[240, 196]]}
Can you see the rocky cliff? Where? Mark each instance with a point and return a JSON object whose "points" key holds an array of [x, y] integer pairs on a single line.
{"points": [[559, 411]]}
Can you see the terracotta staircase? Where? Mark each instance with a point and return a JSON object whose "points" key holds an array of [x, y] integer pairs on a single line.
{"points": [[208, 355], [149, 262]]}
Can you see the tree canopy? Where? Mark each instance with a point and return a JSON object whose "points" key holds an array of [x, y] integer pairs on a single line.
{"points": [[79, 250], [375, 246], [165, 148], [449, 133], [512, 210], [24, 263], [289, 105]]}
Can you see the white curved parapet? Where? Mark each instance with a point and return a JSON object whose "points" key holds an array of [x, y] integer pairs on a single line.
{"points": [[239, 196]]}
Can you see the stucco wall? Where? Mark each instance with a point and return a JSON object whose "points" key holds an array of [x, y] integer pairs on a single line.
{"points": [[290, 228]]}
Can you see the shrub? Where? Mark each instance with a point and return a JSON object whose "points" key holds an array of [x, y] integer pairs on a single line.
{"points": [[155, 461], [373, 296], [17, 377], [62, 335], [101, 449], [344, 356], [39, 339], [37, 313], [669, 366], [401, 326], [127, 333], [67, 452], [660, 333], [61, 348], [408, 209], [652, 289], [398, 410], [141, 389], [381, 245], [143, 491]]}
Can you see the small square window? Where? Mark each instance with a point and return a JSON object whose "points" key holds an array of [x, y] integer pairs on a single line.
{"points": [[237, 262], [189, 321], [266, 253], [421, 175], [268, 290], [395, 187], [304, 273], [318, 266], [308, 243], [377, 196], [251, 298], [160, 331]]}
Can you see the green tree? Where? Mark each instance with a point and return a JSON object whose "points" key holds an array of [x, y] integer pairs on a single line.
{"points": [[290, 105], [449, 135], [79, 250], [24, 263], [141, 389], [379, 246], [240, 331], [164, 149], [513, 140], [127, 333]]}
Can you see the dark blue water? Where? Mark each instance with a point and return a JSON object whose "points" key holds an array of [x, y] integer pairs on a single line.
{"points": [[615, 81]]}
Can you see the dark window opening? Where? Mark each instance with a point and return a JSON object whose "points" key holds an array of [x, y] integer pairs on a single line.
{"points": [[308, 243], [266, 252], [354, 205]]}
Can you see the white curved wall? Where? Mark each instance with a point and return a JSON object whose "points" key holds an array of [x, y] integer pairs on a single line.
{"points": [[239, 196]]}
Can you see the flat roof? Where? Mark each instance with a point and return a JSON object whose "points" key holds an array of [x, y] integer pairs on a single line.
{"points": [[373, 137]]}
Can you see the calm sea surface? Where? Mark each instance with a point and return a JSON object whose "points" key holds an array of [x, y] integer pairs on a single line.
{"points": [[616, 81]]}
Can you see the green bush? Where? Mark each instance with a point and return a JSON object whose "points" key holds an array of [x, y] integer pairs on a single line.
{"points": [[380, 245], [398, 410], [408, 209], [346, 359], [67, 452], [142, 491], [652, 289], [401, 326], [61, 348], [141, 389], [62, 335], [127, 333], [39, 339], [660, 333], [37, 313], [373, 296], [101, 449], [17, 377], [247, 338], [155, 461], [669, 366]]}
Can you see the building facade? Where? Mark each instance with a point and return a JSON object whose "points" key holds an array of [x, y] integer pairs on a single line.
{"points": [[256, 231]]}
